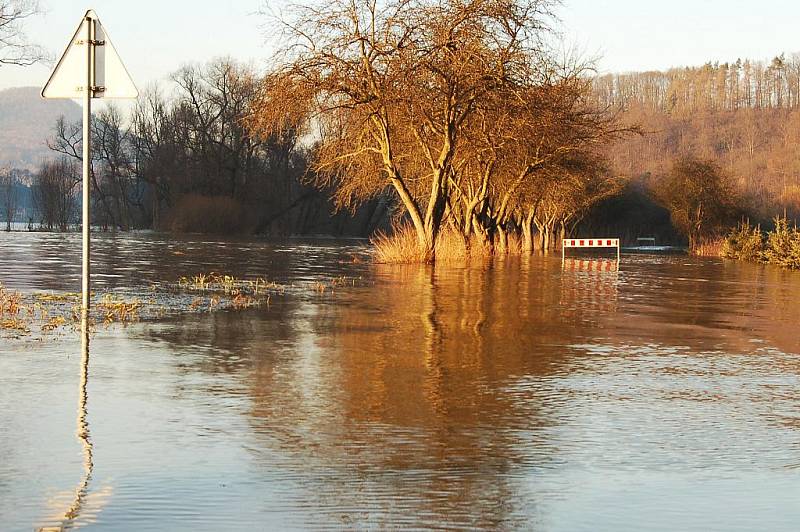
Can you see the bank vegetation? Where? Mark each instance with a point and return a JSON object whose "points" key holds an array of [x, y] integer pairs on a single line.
{"points": [[779, 246]]}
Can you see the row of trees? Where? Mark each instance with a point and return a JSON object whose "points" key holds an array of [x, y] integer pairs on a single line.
{"points": [[711, 87], [50, 199], [458, 108], [9, 195], [458, 113]]}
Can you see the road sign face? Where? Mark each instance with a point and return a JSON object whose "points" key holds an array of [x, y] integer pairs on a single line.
{"points": [[69, 77]]}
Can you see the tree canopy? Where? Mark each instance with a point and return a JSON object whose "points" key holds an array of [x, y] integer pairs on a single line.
{"points": [[459, 108]]}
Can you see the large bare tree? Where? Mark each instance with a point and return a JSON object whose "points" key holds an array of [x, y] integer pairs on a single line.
{"points": [[15, 47], [388, 88]]}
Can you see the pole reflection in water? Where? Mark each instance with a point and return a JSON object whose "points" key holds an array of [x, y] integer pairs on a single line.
{"points": [[71, 515]]}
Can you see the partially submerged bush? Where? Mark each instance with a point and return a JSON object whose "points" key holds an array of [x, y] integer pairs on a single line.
{"points": [[781, 246], [744, 243], [402, 247]]}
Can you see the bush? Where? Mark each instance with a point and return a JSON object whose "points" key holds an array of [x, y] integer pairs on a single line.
{"points": [[210, 214], [783, 245], [744, 243]]}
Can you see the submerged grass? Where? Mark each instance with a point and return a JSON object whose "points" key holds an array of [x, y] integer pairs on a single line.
{"points": [[710, 248], [42, 313], [114, 309], [227, 284], [23, 315]]}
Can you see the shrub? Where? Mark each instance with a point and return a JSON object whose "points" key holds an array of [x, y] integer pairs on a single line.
{"points": [[744, 243], [783, 245]]}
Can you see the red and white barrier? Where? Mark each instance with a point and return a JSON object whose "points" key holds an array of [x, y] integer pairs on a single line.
{"points": [[588, 243]]}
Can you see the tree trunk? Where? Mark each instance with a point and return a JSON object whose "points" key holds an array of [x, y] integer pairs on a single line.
{"points": [[527, 232], [502, 238], [527, 238], [546, 239]]}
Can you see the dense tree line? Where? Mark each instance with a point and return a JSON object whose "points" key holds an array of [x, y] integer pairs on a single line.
{"points": [[186, 162], [711, 87]]}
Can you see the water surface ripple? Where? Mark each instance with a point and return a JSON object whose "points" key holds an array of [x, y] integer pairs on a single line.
{"points": [[518, 395]]}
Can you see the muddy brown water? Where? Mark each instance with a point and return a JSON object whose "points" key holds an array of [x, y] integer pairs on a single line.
{"points": [[663, 395]]}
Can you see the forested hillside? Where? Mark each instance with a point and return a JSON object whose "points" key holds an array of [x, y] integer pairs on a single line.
{"points": [[744, 115]]}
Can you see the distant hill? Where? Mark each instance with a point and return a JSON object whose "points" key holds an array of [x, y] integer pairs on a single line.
{"points": [[26, 122]]}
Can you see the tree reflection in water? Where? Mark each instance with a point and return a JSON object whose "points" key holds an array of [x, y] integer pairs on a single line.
{"points": [[456, 397]]}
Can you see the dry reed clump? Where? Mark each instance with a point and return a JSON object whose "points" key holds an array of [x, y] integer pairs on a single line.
{"points": [[451, 247], [210, 214], [399, 248], [514, 245], [710, 248], [402, 247]]}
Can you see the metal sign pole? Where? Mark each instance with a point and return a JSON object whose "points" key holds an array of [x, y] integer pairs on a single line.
{"points": [[85, 74], [87, 154]]}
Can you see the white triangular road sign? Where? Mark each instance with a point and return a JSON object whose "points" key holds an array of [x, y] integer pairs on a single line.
{"points": [[69, 77]]}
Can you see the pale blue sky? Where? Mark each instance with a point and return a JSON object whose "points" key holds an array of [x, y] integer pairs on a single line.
{"points": [[155, 37]]}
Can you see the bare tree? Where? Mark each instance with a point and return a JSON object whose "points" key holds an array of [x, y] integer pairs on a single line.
{"points": [[699, 197], [15, 48], [9, 195], [54, 194], [391, 87]]}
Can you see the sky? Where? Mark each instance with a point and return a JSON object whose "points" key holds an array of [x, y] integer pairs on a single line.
{"points": [[154, 38]]}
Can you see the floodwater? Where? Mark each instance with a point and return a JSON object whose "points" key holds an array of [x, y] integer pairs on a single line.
{"points": [[662, 395]]}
